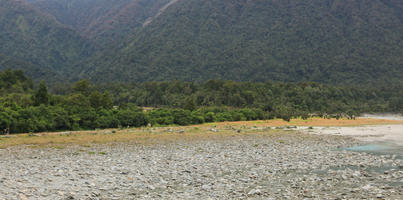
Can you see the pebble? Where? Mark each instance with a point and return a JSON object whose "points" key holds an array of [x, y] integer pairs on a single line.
{"points": [[234, 167]]}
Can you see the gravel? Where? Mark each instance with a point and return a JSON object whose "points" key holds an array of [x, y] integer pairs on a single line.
{"points": [[255, 166]]}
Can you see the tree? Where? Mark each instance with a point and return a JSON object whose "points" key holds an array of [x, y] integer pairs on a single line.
{"points": [[96, 99], [106, 101], [83, 87], [210, 117], [41, 96], [132, 118], [189, 104], [4, 123]]}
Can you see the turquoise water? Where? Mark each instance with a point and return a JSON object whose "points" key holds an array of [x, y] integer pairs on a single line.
{"points": [[370, 148], [379, 148]]}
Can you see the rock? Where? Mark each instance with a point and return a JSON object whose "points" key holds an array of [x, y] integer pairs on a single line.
{"points": [[254, 192], [258, 192], [215, 167], [95, 194], [69, 197], [367, 187], [205, 187], [22, 197], [356, 174]]}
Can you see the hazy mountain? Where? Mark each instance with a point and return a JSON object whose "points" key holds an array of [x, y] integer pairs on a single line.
{"points": [[31, 37], [333, 41]]}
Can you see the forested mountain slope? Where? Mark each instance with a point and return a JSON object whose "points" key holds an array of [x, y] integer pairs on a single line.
{"points": [[38, 39], [329, 41], [34, 71], [102, 20]]}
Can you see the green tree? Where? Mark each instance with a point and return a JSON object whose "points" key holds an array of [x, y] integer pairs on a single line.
{"points": [[106, 101], [4, 122], [96, 99], [132, 118], [189, 104], [41, 96], [83, 87]]}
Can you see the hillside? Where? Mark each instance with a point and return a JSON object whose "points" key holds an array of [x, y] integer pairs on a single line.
{"points": [[34, 71], [103, 21], [35, 38], [328, 41]]}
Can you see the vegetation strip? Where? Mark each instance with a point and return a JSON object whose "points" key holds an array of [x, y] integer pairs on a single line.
{"points": [[83, 106], [163, 134]]}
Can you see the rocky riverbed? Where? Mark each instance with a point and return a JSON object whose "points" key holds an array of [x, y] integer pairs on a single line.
{"points": [[286, 165]]}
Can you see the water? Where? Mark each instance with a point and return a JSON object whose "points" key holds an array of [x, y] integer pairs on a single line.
{"points": [[385, 148], [370, 148]]}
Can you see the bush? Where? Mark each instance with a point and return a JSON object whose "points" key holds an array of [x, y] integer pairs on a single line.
{"points": [[210, 117], [132, 118], [182, 117], [160, 117]]}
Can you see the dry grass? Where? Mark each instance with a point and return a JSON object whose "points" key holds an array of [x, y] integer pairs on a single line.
{"points": [[171, 134], [135, 135], [311, 122]]}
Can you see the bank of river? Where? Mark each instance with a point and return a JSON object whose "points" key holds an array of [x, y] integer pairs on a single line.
{"points": [[384, 139], [262, 165]]}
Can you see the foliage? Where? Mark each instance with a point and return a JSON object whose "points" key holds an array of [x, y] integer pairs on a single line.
{"points": [[14, 81], [86, 106], [333, 42], [327, 41], [273, 99], [41, 96], [101, 20], [30, 36]]}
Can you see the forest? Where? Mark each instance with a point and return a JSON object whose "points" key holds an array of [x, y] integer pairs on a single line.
{"points": [[325, 41], [29, 107]]}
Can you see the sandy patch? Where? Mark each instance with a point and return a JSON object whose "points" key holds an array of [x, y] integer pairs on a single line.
{"points": [[386, 116], [376, 133]]}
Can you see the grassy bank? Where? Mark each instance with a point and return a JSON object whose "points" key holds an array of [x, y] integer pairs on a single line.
{"points": [[150, 135]]}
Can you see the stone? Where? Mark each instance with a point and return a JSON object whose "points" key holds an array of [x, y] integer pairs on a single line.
{"points": [[215, 167], [22, 196], [205, 187], [254, 192]]}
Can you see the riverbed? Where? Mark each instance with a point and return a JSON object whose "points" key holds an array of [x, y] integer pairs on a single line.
{"points": [[267, 165]]}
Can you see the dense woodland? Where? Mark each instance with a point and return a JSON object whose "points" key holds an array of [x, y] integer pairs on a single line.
{"points": [[25, 107], [326, 41]]}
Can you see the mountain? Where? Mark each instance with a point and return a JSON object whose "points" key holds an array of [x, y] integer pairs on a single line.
{"points": [[34, 71], [104, 21], [36, 39], [328, 41]]}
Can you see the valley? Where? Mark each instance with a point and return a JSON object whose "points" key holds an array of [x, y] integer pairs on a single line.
{"points": [[201, 99]]}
